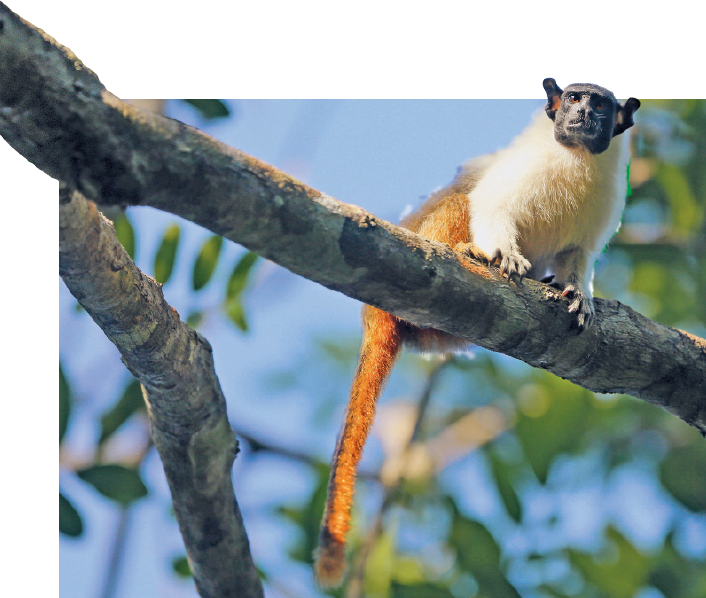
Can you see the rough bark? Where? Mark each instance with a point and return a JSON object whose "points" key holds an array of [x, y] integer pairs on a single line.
{"points": [[55, 112], [186, 407]]}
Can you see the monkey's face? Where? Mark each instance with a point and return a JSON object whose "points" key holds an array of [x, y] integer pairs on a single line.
{"points": [[585, 116]]}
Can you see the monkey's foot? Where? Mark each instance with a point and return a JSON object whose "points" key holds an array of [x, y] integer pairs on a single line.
{"points": [[581, 305], [472, 251]]}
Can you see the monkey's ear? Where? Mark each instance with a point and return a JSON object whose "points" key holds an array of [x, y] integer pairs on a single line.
{"points": [[624, 119], [553, 97]]}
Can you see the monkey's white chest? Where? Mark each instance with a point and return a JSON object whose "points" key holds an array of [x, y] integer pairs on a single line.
{"points": [[543, 198]]}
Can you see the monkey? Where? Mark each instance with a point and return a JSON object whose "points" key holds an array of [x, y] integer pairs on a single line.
{"points": [[543, 208]]}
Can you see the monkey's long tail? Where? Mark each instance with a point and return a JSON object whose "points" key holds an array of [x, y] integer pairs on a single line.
{"points": [[379, 350]]}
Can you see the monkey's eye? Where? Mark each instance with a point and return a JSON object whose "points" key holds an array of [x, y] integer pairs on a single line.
{"points": [[600, 105], [574, 98]]}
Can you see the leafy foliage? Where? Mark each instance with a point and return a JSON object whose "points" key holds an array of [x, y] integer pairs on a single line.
{"points": [[121, 484], [505, 481], [129, 403], [550, 422], [237, 282], [180, 566], [239, 277], [682, 474], [308, 518], [166, 254], [64, 404], [70, 522], [620, 573], [125, 233], [206, 262], [210, 109]]}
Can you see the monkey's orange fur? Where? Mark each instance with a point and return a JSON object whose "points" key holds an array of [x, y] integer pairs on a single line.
{"points": [[444, 217], [381, 345]]}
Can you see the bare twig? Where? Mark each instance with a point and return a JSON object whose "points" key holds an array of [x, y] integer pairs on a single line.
{"points": [[257, 445], [117, 553]]}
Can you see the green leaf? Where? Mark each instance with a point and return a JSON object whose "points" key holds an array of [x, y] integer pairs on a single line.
{"points": [[239, 277], [378, 568], [503, 480], [166, 254], [206, 261], [421, 590], [672, 298], [130, 402], [64, 404], [683, 474], [237, 282], [550, 591], [675, 576], [476, 549], [180, 566], [686, 212], [308, 518], [70, 522], [620, 573], [552, 416], [492, 583], [478, 553], [210, 108], [125, 233], [116, 482], [409, 570], [236, 314], [194, 319]]}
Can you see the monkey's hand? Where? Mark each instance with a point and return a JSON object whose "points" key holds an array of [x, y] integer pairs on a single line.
{"points": [[581, 305], [511, 263]]}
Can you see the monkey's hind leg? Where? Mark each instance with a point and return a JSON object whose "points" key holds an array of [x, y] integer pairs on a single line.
{"points": [[381, 346]]}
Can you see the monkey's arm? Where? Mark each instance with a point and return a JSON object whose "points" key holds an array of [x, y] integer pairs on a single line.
{"points": [[495, 235]]}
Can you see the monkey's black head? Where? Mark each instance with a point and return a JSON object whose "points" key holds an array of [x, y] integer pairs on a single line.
{"points": [[587, 115]]}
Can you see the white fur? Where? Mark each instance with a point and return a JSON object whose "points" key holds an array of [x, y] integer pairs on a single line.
{"points": [[537, 198]]}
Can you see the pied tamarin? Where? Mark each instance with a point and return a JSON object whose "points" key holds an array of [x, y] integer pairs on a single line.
{"points": [[546, 205]]}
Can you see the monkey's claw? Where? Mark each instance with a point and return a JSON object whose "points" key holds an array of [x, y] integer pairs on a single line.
{"points": [[512, 264], [581, 305]]}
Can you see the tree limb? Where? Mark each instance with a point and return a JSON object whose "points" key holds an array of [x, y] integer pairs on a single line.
{"points": [[55, 112], [186, 407]]}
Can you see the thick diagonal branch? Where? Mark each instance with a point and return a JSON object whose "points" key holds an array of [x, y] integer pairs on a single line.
{"points": [[56, 113], [186, 407]]}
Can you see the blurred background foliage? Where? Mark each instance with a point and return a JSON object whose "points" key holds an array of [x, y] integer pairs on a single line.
{"points": [[491, 479]]}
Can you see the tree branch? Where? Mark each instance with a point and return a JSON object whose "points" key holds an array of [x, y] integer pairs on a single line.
{"points": [[186, 407], [56, 113]]}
